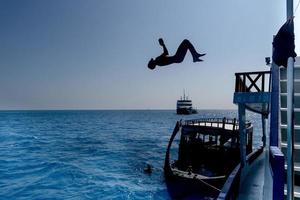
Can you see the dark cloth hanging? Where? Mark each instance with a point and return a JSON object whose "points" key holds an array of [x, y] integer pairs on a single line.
{"points": [[284, 44]]}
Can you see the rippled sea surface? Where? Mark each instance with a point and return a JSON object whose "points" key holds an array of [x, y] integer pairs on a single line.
{"points": [[89, 154]]}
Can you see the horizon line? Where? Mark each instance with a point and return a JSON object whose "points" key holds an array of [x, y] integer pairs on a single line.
{"points": [[109, 109]]}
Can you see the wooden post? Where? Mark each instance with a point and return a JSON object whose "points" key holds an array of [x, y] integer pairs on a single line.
{"points": [[236, 83], [234, 124], [223, 122], [244, 83], [263, 82], [249, 141], [263, 121], [242, 131], [277, 167]]}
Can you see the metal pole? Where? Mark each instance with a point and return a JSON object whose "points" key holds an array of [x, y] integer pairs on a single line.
{"points": [[290, 115], [290, 129], [274, 121], [289, 9]]}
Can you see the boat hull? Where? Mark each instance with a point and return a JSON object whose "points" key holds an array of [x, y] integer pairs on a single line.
{"points": [[184, 111], [182, 188]]}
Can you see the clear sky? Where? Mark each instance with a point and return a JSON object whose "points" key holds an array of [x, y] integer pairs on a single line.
{"points": [[88, 54]]}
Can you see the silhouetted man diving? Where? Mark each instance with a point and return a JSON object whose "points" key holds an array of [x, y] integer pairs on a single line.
{"points": [[165, 59]]}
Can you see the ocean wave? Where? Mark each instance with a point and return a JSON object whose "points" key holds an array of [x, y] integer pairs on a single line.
{"points": [[88, 154]]}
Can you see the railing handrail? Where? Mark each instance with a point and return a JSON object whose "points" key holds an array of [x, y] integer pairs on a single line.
{"points": [[251, 73], [219, 121], [242, 77], [231, 187]]}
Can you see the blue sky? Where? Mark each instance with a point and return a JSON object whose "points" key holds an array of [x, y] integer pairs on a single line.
{"points": [[71, 54]]}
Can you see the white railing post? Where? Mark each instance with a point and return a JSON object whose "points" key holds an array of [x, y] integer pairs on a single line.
{"points": [[290, 129], [290, 114]]}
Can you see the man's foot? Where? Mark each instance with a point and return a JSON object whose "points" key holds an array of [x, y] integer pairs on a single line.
{"points": [[200, 55], [197, 60]]}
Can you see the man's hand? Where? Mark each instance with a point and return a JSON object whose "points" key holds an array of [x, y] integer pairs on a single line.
{"points": [[161, 42]]}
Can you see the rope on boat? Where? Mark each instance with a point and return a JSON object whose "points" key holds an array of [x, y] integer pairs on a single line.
{"points": [[183, 174], [210, 185], [167, 162], [297, 6]]}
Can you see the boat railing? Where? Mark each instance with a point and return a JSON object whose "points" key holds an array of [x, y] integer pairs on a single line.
{"points": [[215, 122], [276, 159], [252, 81], [231, 186]]}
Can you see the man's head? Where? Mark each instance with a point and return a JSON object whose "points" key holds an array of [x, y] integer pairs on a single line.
{"points": [[151, 64]]}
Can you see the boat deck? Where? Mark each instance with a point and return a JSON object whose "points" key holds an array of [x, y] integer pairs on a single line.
{"points": [[257, 184]]}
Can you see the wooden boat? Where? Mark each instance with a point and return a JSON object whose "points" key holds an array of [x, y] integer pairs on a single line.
{"points": [[208, 152]]}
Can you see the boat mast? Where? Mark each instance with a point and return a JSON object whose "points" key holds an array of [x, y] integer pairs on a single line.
{"points": [[290, 115]]}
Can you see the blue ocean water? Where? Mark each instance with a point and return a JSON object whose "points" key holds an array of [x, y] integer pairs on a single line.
{"points": [[89, 154]]}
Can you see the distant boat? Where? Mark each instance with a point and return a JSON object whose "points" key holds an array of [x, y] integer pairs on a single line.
{"points": [[184, 106]]}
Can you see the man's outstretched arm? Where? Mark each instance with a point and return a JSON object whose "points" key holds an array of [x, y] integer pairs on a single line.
{"points": [[161, 42]]}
